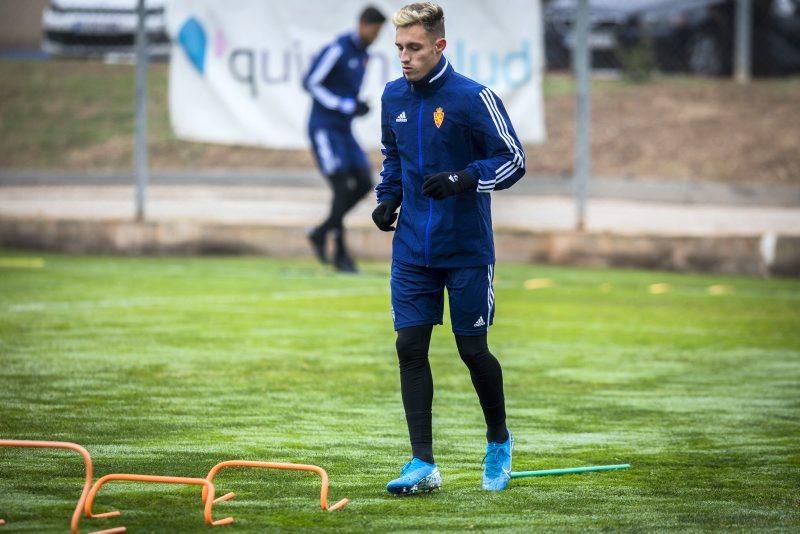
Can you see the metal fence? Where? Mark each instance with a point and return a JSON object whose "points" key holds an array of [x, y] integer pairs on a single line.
{"points": [[638, 41], [648, 79]]}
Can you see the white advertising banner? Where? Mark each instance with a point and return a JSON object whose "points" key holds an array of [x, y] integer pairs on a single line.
{"points": [[237, 66]]}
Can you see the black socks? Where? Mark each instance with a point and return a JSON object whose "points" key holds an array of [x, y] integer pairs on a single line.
{"points": [[416, 386], [487, 377], [348, 188]]}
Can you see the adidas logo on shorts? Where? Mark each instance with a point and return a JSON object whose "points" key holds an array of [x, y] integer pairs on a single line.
{"points": [[480, 322], [401, 117]]}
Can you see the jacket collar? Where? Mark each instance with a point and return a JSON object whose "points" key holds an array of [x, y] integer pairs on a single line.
{"points": [[356, 40], [432, 81]]}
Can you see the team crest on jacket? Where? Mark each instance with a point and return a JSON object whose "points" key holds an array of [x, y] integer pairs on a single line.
{"points": [[438, 117]]}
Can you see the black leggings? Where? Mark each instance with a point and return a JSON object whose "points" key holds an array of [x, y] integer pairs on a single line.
{"points": [[416, 385], [348, 188]]}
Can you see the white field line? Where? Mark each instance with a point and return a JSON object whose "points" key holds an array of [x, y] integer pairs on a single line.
{"points": [[330, 293], [164, 301]]}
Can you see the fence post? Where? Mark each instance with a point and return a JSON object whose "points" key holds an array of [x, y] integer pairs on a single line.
{"points": [[140, 147], [582, 65], [744, 38]]}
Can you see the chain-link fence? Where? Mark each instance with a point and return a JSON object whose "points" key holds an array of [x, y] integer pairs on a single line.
{"points": [[664, 104], [641, 38], [653, 116]]}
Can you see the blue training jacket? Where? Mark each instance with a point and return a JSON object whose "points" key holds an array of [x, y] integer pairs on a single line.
{"points": [[445, 123], [334, 81]]}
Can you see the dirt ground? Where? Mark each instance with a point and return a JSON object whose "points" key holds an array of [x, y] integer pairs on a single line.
{"points": [[78, 115], [682, 129]]}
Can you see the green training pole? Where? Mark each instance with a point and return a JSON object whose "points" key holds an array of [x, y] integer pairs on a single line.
{"points": [[568, 470]]}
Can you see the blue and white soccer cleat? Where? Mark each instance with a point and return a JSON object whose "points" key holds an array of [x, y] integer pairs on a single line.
{"points": [[497, 464], [416, 477]]}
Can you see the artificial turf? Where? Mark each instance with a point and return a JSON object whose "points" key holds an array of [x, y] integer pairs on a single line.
{"points": [[170, 365]]}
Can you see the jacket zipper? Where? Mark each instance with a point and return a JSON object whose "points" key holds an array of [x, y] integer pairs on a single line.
{"points": [[430, 201]]}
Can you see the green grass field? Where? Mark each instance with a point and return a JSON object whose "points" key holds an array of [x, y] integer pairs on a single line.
{"points": [[169, 365]]}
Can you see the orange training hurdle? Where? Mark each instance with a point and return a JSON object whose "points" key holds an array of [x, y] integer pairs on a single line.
{"points": [[87, 460], [208, 489], [323, 496], [89, 491]]}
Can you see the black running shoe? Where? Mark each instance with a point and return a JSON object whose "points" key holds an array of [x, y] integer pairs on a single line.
{"points": [[344, 263], [317, 239]]}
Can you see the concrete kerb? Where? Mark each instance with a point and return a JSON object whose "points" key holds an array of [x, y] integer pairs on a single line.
{"points": [[768, 254], [685, 192]]}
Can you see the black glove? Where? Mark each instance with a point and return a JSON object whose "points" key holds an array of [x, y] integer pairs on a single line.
{"points": [[445, 184], [362, 108], [384, 215]]}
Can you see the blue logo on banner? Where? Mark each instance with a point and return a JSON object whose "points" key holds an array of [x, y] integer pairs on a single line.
{"points": [[192, 38]]}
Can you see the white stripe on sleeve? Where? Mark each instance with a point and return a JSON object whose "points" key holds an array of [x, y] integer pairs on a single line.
{"points": [[518, 154], [504, 132], [323, 68], [518, 160]]}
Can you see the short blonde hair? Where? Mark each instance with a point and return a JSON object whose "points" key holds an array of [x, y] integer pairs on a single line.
{"points": [[428, 14]]}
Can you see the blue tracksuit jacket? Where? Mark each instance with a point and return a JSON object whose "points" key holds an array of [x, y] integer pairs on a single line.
{"points": [[334, 81], [443, 123]]}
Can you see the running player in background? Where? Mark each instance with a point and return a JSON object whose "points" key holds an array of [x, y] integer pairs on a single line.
{"points": [[334, 81]]}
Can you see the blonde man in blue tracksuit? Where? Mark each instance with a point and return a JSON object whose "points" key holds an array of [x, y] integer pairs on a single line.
{"points": [[448, 143]]}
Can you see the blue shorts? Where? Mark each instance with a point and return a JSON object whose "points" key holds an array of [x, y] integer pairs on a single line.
{"points": [[418, 297], [336, 150]]}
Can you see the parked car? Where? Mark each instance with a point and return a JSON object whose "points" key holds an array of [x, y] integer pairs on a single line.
{"points": [[681, 35], [101, 27]]}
